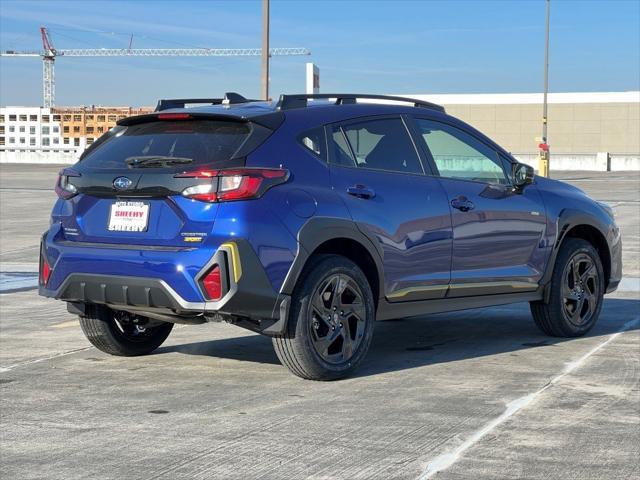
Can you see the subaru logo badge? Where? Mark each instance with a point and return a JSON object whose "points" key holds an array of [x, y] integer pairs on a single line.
{"points": [[122, 183]]}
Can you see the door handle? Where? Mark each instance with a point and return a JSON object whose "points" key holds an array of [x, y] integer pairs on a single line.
{"points": [[462, 204], [361, 191]]}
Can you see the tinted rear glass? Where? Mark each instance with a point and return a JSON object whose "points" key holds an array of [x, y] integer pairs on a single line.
{"points": [[202, 141]]}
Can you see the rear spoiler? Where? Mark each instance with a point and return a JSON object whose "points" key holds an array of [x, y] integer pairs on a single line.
{"points": [[269, 120]]}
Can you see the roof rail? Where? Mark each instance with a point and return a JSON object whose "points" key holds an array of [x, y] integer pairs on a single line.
{"points": [[288, 102], [229, 99]]}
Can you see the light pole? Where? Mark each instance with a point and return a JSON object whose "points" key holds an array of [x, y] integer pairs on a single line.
{"points": [[544, 145], [265, 49]]}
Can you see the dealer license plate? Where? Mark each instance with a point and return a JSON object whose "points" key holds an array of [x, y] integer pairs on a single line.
{"points": [[129, 217]]}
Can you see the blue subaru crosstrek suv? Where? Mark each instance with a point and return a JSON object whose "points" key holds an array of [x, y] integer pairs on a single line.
{"points": [[309, 218]]}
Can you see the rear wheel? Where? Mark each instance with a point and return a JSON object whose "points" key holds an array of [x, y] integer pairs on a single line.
{"points": [[331, 320], [577, 290], [122, 333]]}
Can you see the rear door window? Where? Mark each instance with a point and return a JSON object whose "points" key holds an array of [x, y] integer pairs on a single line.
{"points": [[382, 144], [339, 148], [167, 143]]}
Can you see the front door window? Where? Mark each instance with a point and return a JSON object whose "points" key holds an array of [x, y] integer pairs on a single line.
{"points": [[459, 155]]}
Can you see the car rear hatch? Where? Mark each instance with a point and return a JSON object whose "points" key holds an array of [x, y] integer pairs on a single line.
{"points": [[154, 179]]}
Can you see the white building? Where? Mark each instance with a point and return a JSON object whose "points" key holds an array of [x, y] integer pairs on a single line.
{"points": [[34, 135]]}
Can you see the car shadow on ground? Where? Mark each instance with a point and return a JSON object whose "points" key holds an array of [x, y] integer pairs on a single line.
{"points": [[433, 339]]}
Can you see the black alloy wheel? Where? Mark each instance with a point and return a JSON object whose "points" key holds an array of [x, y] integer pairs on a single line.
{"points": [[580, 289], [338, 316], [575, 292], [330, 323]]}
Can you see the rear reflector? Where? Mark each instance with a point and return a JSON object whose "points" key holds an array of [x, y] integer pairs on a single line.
{"points": [[212, 283], [45, 269], [236, 184]]}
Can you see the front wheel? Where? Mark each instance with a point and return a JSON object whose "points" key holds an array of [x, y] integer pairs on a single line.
{"points": [[331, 320], [122, 333], [577, 290]]}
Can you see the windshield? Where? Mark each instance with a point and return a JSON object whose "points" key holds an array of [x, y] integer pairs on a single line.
{"points": [[164, 144]]}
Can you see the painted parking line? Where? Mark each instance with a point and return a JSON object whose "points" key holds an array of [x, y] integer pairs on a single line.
{"points": [[8, 368], [445, 460], [21, 249], [629, 284], [69, 324], [11, 282]]}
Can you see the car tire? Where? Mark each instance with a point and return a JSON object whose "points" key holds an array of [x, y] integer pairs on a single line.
{"points": [[121, 333], [330, 321], [576, 292]]}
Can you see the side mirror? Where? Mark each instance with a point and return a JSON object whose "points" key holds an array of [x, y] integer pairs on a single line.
{"points": [[522, 175]]}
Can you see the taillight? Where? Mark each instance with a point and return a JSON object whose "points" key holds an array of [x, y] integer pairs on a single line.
{"points": [[236, 184], [64, 186], [212, 283], [238, 187]]}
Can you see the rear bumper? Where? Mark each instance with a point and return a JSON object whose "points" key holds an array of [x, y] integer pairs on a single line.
{"points": [[159, 283]]}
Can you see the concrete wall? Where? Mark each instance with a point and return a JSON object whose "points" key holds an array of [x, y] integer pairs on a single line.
{"points": [[598, 162], [586, 130], [572, 128]]}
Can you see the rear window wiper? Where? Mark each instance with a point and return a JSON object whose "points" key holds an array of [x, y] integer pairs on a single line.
{"points": [[151, 161]]}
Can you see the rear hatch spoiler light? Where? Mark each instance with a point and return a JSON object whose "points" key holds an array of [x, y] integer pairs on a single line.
{"points": [[269, 120]]}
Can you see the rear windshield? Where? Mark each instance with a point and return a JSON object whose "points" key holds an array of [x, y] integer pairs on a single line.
{"points": [[166, 143]]}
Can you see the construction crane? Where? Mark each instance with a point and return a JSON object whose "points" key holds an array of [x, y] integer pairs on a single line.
{"points": [[49, 54]]}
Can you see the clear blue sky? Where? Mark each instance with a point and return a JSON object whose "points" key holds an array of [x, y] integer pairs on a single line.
{"points": [[377, 47]]}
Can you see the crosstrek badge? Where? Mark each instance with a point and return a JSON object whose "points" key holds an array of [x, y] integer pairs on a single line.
{"points": [[129, 217], [193, 237]]}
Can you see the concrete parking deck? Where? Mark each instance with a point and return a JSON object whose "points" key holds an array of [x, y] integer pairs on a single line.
{"points": [[470, 395]]}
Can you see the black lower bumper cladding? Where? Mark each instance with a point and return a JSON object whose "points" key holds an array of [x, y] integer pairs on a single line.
{"points": [[118, 290]]}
